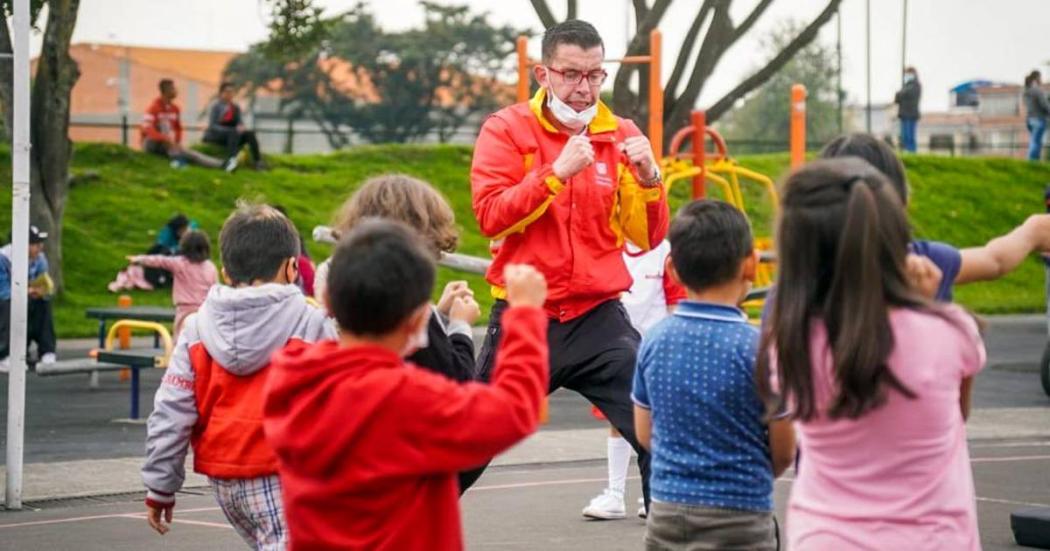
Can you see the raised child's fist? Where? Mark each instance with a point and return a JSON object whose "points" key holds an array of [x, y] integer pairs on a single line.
{"points": [[526, 286]]}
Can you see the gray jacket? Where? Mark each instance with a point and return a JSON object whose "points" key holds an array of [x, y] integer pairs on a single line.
{"points": [[907, 100], [240, 328], [1035, 102]]}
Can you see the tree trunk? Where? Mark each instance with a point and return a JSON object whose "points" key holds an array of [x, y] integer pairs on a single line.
{"points": [[49, 126], [7, 78]]}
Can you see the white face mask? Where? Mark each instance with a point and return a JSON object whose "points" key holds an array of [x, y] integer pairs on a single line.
{"points": [[574, 120], [419, 340], [908, 77]]}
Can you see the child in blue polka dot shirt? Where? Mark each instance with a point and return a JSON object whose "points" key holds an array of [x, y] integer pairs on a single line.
{"points": [[714, 456]]}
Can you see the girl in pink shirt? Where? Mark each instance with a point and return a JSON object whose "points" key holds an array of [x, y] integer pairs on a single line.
{"points": [[192, 271], [877, 377]]}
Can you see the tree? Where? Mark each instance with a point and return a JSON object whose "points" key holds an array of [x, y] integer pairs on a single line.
{"points": [[345, 72], [765, 114], [56, 73], [697, 57]]}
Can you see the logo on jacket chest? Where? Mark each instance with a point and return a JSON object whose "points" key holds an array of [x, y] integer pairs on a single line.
{"points": [[602, 178]]}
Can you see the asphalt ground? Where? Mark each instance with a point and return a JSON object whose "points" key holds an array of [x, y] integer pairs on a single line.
{"points": [[514, 508]]}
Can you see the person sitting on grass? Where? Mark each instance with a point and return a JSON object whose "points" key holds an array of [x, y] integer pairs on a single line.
{"points": [[162, 131], [192, 270], [226, 128], [369, 445]]}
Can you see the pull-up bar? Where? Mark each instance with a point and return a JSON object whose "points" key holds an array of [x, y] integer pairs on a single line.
{"points": [[656, 92]]}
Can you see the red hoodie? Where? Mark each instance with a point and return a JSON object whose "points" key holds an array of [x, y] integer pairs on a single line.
{"points": [[369, 446]]}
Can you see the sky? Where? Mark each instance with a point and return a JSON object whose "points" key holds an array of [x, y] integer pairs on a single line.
{"points": [[948, 41]]}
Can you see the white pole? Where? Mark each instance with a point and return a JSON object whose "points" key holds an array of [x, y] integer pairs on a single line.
{"points": [[16, 382]]}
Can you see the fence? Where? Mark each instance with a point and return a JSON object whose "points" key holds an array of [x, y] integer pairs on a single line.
{"points": [[304, 137]]}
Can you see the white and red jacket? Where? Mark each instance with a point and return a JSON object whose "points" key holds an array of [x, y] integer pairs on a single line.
{"points": [[212, 394], [161, 122], [653, 291]]}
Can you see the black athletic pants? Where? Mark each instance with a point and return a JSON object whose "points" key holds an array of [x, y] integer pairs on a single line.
{"points": [[234, 141], [594, 355], [41, 326]]}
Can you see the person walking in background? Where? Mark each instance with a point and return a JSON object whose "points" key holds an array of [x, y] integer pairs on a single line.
{"points": [[162, 130], [226, 128], [1037, 109], [907, 100]]}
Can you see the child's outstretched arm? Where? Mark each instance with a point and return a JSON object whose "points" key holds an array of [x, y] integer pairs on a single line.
{"points": [[168, 434], [169, 263], [1001, 255], [457, 426]]}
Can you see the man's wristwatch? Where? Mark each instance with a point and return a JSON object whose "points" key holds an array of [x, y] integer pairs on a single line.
{"points": [[655, 180]]}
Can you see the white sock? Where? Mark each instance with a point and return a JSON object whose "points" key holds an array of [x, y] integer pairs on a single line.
{"points": [[619, 451]]}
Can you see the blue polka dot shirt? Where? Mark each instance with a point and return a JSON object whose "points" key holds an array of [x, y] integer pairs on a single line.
{"points": [[696, 375]]}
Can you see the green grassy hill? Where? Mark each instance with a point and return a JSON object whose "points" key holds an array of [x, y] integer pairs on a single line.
{"points": [[124, 196]]}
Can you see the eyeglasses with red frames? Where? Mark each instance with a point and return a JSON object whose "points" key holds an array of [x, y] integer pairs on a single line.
{"points": [[574, 77]]}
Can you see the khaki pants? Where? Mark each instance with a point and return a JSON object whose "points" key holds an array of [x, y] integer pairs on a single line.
{"points": [[695, 528]]}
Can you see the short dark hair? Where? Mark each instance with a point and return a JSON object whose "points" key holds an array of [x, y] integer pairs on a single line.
{"points": [[380, 273], [575, 32], [876, 152], [224, 86], [165, 83], [709, 240], [178, 222], [195, 246], [254, 242]]}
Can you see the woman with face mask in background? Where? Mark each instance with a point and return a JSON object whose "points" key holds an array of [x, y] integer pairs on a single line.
{"points": [[907, 100]]}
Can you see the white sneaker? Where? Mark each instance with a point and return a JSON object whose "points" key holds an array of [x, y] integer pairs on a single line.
{"points": [[231, 164], [48, 359], [642, 513], [607, 506]]}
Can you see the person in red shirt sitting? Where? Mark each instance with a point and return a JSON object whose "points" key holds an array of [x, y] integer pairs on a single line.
{"points": [[162, 131], [369, 445]]}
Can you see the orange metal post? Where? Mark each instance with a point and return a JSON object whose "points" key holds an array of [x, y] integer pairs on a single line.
{"points": [[798, 125], [656, 95], [523, 69], [699, 119]]}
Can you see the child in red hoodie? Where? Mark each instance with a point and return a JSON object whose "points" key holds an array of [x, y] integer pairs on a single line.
{"points": [[369, 445]]}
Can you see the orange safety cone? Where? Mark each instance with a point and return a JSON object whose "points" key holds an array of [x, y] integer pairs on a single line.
{"points": [[124, 333]]}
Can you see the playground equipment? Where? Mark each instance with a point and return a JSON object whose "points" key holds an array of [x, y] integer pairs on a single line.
{"points": [[656, 91], [723, 171]]}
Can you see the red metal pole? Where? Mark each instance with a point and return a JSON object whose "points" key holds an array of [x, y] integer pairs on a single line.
{"points": [[699, 120]]}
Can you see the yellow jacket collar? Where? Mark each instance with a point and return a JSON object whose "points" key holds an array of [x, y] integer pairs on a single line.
{"points": [[604, 121]]}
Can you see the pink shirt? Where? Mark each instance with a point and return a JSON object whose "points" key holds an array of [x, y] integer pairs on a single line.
{"points": [[191, 281], [899, 477]]}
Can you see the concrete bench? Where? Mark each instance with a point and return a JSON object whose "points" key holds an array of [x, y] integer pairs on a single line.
{"points": [[78, 365]]}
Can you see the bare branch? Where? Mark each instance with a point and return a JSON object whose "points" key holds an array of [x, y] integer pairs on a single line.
{"points": [[544, 13], [685, 52], [754, 81], [716, 42], [749, 22]]}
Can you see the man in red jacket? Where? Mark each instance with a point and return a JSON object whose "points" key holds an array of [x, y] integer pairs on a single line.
{"points": [[560, 183], [368, 445], [162, 130]]}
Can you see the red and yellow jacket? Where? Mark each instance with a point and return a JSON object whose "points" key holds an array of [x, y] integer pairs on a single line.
{"points": [[573, 231]]}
